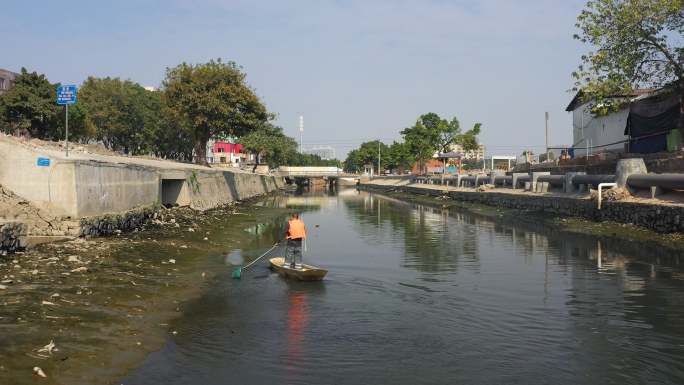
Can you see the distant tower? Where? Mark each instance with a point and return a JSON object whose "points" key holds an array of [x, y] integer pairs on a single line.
{"points": [[301, 130]]}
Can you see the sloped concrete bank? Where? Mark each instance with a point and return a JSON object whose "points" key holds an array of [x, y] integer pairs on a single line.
{"points": [[664, 218], [90, 195]]}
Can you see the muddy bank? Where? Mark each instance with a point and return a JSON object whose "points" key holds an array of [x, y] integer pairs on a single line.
{"points": [[105, 303]]}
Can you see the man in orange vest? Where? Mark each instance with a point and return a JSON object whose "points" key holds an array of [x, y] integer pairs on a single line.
{"points": [[295, 233]]}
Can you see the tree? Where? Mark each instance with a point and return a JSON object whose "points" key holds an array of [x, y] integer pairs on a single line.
{"points": [[313, 160], [368, 154], [144, 121], [80, 127], [639, 45], [108, 102], [269, 141], [350, 163], [422, 142], [542, 157], [400, 157], [31, 104], [211, 99], [468, 140], [172, 141]]}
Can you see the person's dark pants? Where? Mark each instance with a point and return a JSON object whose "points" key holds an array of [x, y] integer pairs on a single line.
{"points": [[293, 255]]}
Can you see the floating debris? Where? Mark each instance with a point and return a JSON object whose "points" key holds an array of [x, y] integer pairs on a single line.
{"points": [[49, 348], [39, 371]]}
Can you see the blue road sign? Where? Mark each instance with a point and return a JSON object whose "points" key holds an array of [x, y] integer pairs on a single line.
{"points": [[66, 95], [44, 162]]}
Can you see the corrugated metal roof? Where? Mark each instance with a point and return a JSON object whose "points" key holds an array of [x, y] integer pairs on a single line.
{"points": [[640, 92]]}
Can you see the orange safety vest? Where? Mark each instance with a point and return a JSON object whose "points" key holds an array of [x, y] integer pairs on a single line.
{"points": [[297, 229]]}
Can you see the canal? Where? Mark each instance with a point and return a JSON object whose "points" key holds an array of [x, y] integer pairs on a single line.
{"points": [[428, 294]]}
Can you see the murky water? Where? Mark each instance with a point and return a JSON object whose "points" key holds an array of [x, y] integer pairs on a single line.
{"points": [[417, 294]]}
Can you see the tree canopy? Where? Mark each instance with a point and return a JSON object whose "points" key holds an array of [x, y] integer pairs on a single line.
{"points": [[639, 44], [31, 104], [422, 141], [433, 134], [400, 157], [125, 115], [368, 154], [211, 99], [270, 141]]}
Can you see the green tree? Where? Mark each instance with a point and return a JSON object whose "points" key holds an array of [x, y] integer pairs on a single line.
{"points": [[80, 127], [350, 163], [108, 102], [368, 154], [400, 157], [421, 141], [172, 141], [450, 132], [31, 105], [542, 157], [269, 141], [144, 121], [211, 99], [639, 45]]}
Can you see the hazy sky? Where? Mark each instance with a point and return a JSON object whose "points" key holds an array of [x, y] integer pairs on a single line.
{"points": [[357, 70]]}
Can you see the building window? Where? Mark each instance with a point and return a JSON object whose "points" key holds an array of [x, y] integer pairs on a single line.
{"points": [[2, 84], [221, 150]]}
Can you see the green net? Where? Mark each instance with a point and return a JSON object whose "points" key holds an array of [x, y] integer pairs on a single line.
{"points": [[237, 273], [672, 140]]}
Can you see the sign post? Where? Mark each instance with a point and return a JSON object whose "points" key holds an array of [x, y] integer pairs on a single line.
{"points": [[66, 95]]}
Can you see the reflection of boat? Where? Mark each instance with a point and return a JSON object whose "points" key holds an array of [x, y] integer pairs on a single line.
{"points": [[307, 273]]}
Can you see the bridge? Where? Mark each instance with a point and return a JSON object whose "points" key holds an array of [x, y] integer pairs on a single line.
{"points": [[332, 179]]}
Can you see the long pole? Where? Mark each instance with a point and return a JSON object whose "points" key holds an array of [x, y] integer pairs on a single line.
{"points": [[378, 156], [67, 131], [547, 136]]}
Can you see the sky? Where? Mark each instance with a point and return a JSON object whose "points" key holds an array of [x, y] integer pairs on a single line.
{"points": [[356, 70]]}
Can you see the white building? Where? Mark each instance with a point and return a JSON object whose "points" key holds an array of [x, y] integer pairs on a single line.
{"points": [[592, 134], [470, 154], [325, 152]]}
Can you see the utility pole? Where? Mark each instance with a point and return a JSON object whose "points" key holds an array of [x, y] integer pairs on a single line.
{"points": [[547, 137], [378, 156], [301, 130]]}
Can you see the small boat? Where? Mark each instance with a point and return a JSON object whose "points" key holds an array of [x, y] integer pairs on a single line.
{"points": [[307, 273]]}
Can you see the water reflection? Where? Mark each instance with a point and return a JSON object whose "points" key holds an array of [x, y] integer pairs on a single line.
{"points": [[297, 319]]}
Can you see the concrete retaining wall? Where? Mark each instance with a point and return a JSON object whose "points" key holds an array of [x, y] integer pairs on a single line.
{"points": [[657, 217], [51, 186], [93, 195], [102, 187], [83, 186]]}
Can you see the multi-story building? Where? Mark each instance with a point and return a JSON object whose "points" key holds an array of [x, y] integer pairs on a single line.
{"points": [[325, 152], [7, 80], [470, 154]]}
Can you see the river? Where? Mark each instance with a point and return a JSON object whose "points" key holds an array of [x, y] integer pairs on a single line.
{"points": [[423, 294]]}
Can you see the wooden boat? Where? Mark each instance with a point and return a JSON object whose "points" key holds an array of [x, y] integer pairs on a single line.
{"points": [[307, 273]]}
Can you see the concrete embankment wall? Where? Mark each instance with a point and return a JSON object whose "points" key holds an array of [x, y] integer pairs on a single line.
{"points": [[105, 193], [658, 217]]}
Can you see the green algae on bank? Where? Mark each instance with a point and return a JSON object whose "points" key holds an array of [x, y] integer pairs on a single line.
{"points": [[106, 302]]}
